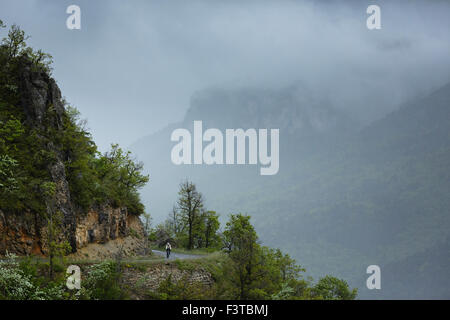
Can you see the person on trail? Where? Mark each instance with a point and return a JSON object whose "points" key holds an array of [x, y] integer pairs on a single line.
{"points": [[168, 248]]}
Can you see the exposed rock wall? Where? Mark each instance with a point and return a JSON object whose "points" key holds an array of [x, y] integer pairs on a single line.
{"points": [[104, 232], [26, 234], [151, 277], [20, 234], [101, 226]]}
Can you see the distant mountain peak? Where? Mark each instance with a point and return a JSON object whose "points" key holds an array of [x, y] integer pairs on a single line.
{"points": [[290, 109]]}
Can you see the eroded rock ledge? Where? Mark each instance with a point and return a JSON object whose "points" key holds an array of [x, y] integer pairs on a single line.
{"points": [[26, 233]]}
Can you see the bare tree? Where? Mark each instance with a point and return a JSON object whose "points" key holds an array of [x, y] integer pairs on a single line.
{"points": [[189, 207]]}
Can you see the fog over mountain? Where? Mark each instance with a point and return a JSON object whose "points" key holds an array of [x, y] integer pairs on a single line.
{"points": [[134, 65], [344, 198], [363, 175], [364, 118]]}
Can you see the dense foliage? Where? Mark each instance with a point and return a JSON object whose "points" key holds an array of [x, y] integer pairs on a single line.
{"points": [[20, 281], [28, 279]]}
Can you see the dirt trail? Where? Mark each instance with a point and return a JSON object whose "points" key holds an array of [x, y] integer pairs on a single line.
{"points": [[181, 256]]}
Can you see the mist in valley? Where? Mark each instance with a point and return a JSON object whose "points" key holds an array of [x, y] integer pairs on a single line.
{"points": [[364, 119]]}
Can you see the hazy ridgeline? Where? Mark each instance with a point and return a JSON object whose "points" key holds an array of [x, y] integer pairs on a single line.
{"points": [[364, 127], [345, 197]]}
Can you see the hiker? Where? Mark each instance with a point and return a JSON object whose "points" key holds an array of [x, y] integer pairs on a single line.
{"points": [[168, 248]]}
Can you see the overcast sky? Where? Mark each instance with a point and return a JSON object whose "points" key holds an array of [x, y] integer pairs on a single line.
{"points": [[133, 67]]}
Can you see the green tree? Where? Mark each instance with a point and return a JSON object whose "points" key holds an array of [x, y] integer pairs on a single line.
{"points": [[14, 44], [147, 223], [56, 246], [280, 273], [11, 131], [331, 288], [8, 183], [244, 251], [211, 227], [121, 177], [259, 272], [175, 222], [15, 41], [81, 161]]}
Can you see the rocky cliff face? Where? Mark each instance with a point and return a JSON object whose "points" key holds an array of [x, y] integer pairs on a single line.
{"points": [[25, 233], [98, 234], [148, 279]]}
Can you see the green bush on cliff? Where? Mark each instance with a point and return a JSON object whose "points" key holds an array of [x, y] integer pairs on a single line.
{"points": [[113, 177]]}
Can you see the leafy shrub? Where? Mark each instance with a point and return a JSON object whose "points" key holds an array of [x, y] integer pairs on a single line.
{"points": [[14, 283], [102, 282], [182, 290], [20, 281], [331, 288]]}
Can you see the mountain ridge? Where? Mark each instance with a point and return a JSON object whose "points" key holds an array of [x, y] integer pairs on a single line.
{"points": [[381, 185]]}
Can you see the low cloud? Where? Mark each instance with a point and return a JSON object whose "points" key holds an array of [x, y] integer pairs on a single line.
{"points": [[135, 65]]}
